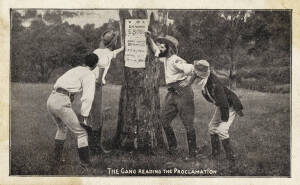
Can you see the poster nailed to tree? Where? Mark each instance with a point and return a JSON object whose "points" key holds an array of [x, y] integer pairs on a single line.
{"points": [[135, 42]]}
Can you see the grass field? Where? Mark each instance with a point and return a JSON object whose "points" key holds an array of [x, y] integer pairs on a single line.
{"points": [[261, 139]]}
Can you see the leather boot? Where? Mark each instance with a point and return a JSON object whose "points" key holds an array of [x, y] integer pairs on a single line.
{"points": [[191, 138], [58, 149], [84, 156], [228, 149], [215, 145], [171, 138]]}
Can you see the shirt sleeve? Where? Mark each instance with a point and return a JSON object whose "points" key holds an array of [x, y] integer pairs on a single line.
{"points": [[114, 53], [162, 59], [88, 92], [96, 73], [106, 69], [222, 102], [182, 65], [117, 51], [154, 47]]}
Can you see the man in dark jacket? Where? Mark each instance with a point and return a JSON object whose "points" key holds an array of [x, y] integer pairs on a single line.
{"points": [[227, 105]]}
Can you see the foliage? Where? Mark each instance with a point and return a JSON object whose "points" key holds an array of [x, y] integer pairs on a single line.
{"points": [[242, 44], [237, 41]]}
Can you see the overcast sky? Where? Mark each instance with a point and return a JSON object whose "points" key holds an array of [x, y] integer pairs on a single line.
{"points": [[97, 17]]}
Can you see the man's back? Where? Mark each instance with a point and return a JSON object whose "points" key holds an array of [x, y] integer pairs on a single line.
{"points": [[72, 79]]}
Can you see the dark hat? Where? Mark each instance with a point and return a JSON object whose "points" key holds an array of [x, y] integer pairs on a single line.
{"points": [[109, 37], [171, 41]]}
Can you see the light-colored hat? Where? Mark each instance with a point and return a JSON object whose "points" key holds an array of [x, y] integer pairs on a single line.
{"points": [[171, 41], [201, 63], [109, 37], [201, 68]]}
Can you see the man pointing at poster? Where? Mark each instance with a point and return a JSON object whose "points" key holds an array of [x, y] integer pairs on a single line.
{"points": [[106, 52]]}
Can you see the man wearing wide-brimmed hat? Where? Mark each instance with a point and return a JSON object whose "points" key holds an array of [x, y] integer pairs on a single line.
{"points": [[180, 97], [106, 52], [227, 105]]}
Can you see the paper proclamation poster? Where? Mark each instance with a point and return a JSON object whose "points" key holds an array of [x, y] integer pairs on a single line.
{"points": [[135, 43]]}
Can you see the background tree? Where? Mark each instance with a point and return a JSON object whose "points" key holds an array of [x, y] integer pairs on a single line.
{"points": [[250, 47]]}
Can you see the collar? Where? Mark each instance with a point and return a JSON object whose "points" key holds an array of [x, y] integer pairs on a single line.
{"points": [[204, 77]]}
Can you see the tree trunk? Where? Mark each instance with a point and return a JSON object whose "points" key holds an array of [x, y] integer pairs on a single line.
{"points": [[139, 124], [232, 72]]}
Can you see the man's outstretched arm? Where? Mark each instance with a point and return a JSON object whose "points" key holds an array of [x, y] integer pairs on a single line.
{"points": [[152, 44], [117, 51]]}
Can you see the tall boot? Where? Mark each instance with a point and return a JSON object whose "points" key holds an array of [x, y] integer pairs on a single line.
{"points": [[84, 157], [228, 149], [230, 156], [58, 149], [191, 138], [215, 145], [171, 138]]}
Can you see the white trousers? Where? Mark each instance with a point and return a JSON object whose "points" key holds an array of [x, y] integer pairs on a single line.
{"points": [[59, 106], [217, 126]]}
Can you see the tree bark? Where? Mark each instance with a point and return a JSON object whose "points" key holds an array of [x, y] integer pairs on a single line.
{"points": [[232, 72], [139, 124]]}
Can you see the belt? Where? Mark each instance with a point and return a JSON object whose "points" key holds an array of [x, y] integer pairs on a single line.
{"points": [[65, 92], [176, 88]]}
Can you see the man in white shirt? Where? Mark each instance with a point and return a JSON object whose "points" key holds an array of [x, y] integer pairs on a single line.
{"points": [[180, 96], [106, 52], [78, 79]]}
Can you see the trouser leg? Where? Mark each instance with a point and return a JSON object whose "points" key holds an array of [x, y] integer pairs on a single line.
{"points": [[70, 119], [169, 112], [186, 108], [61, 133], [191, 138], [171, 138], [60, 138], [220, 128]]}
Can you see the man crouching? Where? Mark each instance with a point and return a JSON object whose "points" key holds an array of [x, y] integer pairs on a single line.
{"points": [[78, 79], [227, 106]]}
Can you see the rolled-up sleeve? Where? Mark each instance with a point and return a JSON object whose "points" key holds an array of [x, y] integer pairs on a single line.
{"points": [[182, 65], [88, 92]]}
